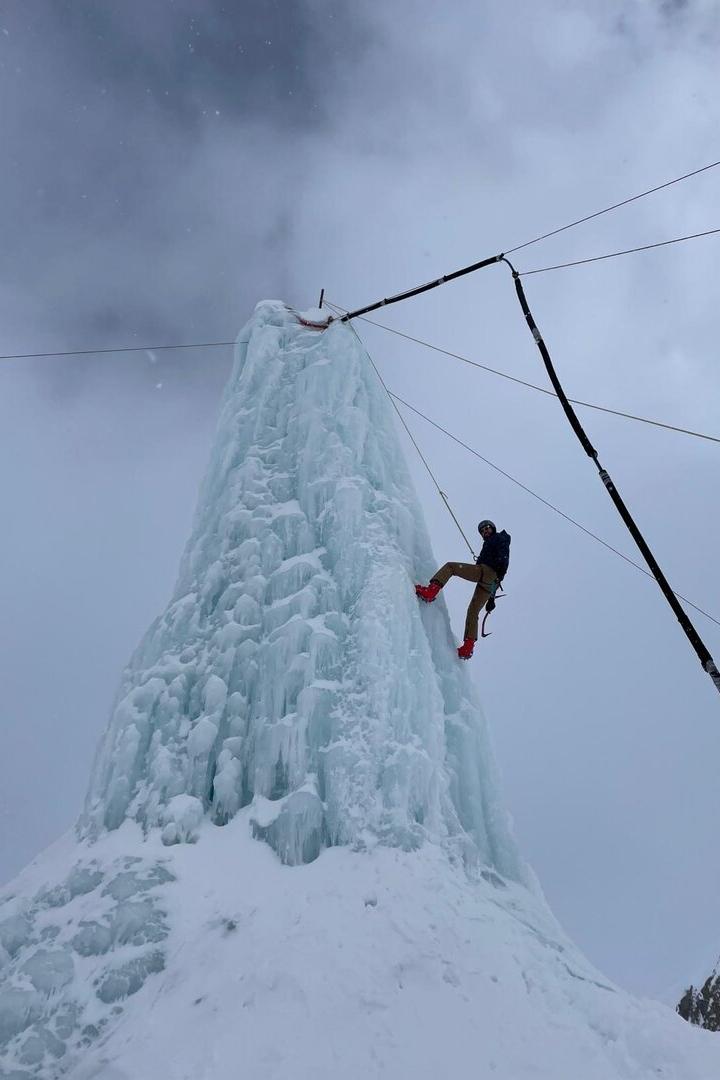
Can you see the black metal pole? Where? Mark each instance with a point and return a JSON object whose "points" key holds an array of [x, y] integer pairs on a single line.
{"points": [[421, 288], [703, 654]]}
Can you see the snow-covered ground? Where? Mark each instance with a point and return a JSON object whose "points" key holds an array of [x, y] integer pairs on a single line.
{"points": [[294, 859], [382, 963]]}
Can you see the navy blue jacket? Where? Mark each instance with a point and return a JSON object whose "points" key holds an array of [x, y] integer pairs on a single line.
{"points": [[496, 553]]}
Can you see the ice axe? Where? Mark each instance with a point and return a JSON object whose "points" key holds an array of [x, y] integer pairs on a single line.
{"points": [[485, 618]]}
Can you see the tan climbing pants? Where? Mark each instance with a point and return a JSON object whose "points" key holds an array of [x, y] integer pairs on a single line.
{"points": [[486, 583]]}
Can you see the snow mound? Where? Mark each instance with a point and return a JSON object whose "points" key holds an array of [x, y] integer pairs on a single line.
{"points": [[361, 965], [82, 929]]}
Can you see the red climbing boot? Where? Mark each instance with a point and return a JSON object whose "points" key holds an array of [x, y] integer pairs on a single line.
{"points": [[466, 649], [428, 592]]}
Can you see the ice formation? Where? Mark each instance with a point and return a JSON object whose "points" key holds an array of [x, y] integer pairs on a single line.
{"points": [[293, 669], [294, 700]]}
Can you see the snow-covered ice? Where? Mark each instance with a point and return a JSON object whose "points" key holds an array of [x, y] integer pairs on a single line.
{"points": [[294, 859]]}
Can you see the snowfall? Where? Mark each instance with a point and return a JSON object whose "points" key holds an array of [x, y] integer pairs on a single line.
{"points": [[294, 858]]}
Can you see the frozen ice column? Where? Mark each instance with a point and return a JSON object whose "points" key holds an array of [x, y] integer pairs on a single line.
{"points": [[293, 669]]}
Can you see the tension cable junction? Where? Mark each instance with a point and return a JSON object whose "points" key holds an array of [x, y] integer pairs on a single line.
{"points": [[349, 315], [519, 247]]}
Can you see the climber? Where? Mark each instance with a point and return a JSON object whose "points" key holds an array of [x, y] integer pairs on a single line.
{"points": [[487, 572]]}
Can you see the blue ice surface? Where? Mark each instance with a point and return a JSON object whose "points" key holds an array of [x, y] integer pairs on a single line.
{"points": [[293, 669]]}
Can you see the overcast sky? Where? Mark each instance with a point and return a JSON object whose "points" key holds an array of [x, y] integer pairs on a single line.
{"points": [[166, 166]]}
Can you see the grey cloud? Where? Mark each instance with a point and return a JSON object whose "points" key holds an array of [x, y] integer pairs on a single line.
{"points": [[154, 153]]}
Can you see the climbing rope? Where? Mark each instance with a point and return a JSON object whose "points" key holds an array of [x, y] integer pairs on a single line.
{"points": [[571, 225], [413, 440]]}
